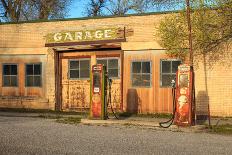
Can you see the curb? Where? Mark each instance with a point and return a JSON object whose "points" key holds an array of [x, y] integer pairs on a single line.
{"points": [[144, 124]]}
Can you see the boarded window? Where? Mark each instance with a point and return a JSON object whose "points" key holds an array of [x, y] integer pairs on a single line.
{"points": [[79, 69], [141, 74], [33, 75], [112, 66], [10, 75], [168, 70]]}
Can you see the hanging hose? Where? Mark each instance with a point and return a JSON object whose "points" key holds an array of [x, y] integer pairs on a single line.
{"points": [[109, 98], [168, 123]]}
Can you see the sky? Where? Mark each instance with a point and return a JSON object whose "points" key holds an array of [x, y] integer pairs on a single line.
{"points": [[76, 9]]}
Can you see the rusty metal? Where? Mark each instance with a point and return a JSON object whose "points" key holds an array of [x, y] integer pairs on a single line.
{"points": [[188, 13]]}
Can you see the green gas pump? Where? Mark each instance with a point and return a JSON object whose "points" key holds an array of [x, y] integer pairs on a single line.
{"points": [[98, 92]]}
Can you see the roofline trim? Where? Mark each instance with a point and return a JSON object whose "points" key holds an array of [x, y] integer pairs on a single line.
{"points": [[88, 18]]}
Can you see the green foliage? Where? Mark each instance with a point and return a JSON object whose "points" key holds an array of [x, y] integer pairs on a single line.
{"points": [[44, 112], [174, 35], [148, 115], [49, 116], [69, 120], [211, 28], [222, 129]]}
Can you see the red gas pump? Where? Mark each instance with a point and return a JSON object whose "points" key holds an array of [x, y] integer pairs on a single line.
{"points": [[185, 111], [98, 86]]}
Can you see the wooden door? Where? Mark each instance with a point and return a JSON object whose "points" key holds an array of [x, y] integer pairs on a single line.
{"points": [[75, 78], [75, 84]]}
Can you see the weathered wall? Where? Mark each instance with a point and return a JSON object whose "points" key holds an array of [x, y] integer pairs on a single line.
{"points": [[141, 99], [28, 35], [27, 97], [29, 39], [213, 85]]}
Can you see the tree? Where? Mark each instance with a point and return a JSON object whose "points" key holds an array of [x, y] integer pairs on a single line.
{"points": [[18, 10], [121, 7], [104, 7], [115, 7], [211, 27], [95, 7], [11, 9]]}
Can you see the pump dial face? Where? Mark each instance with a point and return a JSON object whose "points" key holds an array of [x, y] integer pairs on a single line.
{"points": [[184, 81], [96, 98]]}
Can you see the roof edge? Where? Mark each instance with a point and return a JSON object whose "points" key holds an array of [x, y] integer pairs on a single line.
{"points": [[88, 18]]}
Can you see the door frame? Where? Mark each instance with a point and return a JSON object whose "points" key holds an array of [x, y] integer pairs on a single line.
{"points": [[58, 56]]}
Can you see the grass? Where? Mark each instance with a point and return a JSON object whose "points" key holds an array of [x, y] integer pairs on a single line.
{"points": [[148, 115], [47, 116], [46, 111], [69, 120], [127, 124], [43, 111], [221, 129]]}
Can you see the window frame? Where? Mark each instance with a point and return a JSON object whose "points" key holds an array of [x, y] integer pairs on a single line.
{"points": [[41, 74], [131, 73], [107, 59], [169, 60], [80, 78], [17, 82]]}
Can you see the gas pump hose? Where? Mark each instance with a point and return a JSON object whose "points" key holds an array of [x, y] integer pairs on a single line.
{"points": [[109, 102], [168, 123]]}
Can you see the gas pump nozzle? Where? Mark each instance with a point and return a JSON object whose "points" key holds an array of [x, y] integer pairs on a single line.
{"points": [[173, 83], [110, 81], [168, 123]]}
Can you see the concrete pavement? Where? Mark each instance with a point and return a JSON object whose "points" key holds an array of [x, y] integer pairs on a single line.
{"points": [[141, 122], [35, 136]]}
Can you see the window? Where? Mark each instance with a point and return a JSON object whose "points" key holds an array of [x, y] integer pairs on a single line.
{"points": [[79, 69], [10, 75], [168, 70], [33, 75], [112, 66], [141, 73]]}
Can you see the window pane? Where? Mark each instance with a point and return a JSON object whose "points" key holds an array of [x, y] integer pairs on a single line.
{"points": [[84, 74], [146, 67], [13, 69], [74, 73], [166, 67], [14, 81], [136, 80], [6, 69], [175, 65], [104, 62], [29, 69], [113, 72], [37, 81], [84, 64], [6, 80], [167, 79], [37, 69], [29, 81], [146, 80], [136, 67], [113, 63], [74, 64]]}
